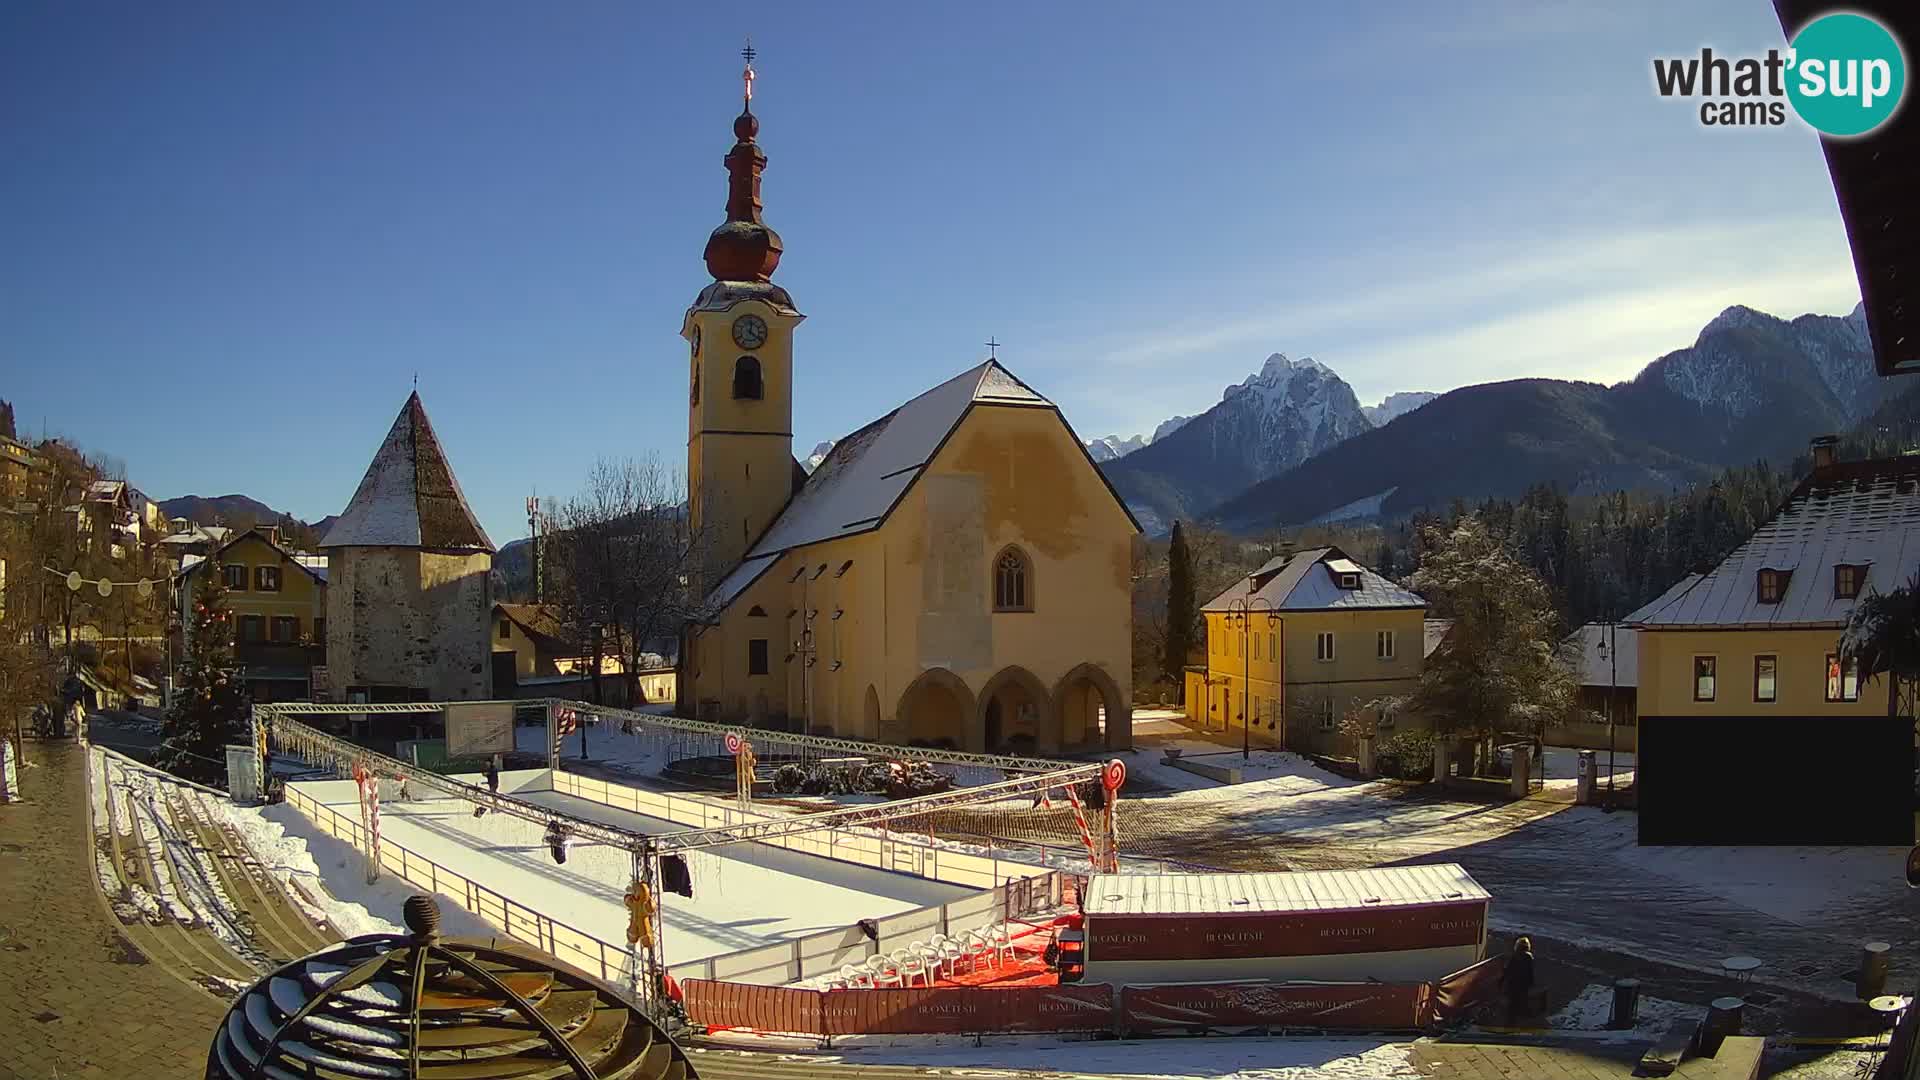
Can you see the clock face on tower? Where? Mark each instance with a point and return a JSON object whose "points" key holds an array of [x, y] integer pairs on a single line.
{"points": [[749, 331]]}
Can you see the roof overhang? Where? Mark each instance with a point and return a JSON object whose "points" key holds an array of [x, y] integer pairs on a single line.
{"points": [[1873, 179]]}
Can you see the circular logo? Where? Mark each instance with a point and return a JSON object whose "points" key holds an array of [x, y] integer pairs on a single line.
{"points": [[1846, 74], [1114, 775], [733, 742]]}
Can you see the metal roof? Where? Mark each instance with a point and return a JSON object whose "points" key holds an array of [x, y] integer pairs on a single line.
{"points": [[1859, 513], [1289, 584], [1314, 890], [1597, 668]]}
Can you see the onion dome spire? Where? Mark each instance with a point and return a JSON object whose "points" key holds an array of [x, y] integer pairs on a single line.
{"points": [[744, 249]]}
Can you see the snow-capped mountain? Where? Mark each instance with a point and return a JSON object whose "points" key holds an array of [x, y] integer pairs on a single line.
{"points": [[1744, 359], [812, 461], [1168, 426], [1268, 422], [1108, 447], [1395, 406]]}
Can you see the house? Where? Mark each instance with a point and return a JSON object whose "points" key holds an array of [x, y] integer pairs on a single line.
{"points": [[1608, 661], [1746, 655], [19, 468], [956, 572], [107, 520], [278, 599], [185, 537], [534, 655], [411, 596], [1301, 641]]}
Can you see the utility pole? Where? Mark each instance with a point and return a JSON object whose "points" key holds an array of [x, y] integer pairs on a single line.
{"points": [[533, 532]]}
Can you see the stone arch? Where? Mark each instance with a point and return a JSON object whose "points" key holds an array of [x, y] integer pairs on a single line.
{"points": [[870, 714], [1076, 696], [935, 710], [1016, 714]]}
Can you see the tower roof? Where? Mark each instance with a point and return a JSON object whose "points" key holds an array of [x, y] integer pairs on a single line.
{"points": [[409, 497], [743, 248]]}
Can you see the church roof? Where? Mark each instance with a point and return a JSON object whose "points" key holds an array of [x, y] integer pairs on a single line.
{"points": [[865, 475], [409, 497]]}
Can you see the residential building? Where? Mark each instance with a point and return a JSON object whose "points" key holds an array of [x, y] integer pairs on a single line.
{"points": [[278, 599], [534, 655], [185, 537], [956, 572], [1748, 654], [18, 467], [106, 519], [1303, 640], [411, 597]]}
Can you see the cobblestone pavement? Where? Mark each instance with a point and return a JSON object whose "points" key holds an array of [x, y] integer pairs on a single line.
{"points": [[76, 1000]]}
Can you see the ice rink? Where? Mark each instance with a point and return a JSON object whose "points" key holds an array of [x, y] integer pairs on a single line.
{"points": [[744, 895]]}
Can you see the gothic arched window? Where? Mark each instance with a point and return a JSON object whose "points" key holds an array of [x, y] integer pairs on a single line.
{"points": [[746, 378], [1012, 581]]}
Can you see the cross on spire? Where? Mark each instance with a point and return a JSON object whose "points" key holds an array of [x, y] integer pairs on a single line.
{"points": [[993, 349], [747, 76]]}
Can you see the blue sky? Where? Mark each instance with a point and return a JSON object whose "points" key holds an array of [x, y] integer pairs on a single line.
{"points": [[234, 232]]}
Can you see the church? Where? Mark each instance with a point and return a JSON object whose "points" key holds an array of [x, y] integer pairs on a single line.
{"points": [[956, 573]]}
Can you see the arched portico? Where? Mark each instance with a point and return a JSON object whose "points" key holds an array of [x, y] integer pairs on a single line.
{"points": [[937, 710], [1016, 714], [1079, 699]]}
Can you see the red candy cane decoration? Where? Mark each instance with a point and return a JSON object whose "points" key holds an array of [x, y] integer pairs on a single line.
{"points": [[1111, 778], [1086, 834]]}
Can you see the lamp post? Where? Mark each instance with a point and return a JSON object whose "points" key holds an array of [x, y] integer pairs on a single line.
{"points": [[1240, 612], [1610, 649]]}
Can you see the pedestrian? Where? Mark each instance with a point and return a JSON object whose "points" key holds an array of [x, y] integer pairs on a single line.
{"points": [[1517, 980]]}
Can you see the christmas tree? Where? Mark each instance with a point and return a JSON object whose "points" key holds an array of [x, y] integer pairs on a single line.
{"points": [[209, 706]]}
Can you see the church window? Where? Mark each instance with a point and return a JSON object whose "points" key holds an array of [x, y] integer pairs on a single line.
{"points": [[757, 611], [1012, 581], [746, 379], [757, 656]]}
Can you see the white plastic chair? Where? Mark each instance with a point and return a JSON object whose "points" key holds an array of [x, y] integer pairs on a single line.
{"points": [[952, 954], [979, 947], [884, 971], [933, 957], [1002, 945], [911, 965]]}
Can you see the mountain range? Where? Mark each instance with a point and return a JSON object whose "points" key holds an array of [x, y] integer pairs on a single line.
{"points": [[1750, 387]]}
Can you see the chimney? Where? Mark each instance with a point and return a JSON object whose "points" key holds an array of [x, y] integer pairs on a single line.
{"points": [[1823, 446]]}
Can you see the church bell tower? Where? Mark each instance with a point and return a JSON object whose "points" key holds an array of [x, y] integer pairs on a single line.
{"points": [[739, 331]]}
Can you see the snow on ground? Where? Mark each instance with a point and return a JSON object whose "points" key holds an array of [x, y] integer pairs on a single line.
{"points": [[1171, 1058], [1563, 766], [1594, 1006], [1296, 773], [744, 894], [326, 873], [1792, 883]]}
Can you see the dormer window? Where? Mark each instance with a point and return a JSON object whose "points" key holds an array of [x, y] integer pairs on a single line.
{"points": [[1349, 581], [1846, 580], [1346, 573], [1773, 585]]}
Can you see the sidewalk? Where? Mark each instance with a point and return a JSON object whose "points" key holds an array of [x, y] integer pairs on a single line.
{"points": [[76, 999]]}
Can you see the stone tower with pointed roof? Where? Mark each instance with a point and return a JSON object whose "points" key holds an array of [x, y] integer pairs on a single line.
{"points": [[957, 572], [409, 598]]}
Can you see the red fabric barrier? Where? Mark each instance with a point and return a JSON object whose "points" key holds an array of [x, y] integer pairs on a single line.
{"points": [[1351, 1006], [1455, 995], [965, 1010], [763, 1008], [1294, 933]]}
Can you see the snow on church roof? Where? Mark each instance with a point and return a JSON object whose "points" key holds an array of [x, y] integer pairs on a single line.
{"points": [[864, 475], [409, 497]]}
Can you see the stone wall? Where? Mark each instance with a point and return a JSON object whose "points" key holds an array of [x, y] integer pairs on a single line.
{"points": [[409, 618]]}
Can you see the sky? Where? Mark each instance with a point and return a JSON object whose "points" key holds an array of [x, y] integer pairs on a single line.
{"points": [[233, 234]]}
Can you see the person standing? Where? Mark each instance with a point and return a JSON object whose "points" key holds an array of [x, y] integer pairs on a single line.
{"points": [[1517, 980]]}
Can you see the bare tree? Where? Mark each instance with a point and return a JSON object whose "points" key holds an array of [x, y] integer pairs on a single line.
{"points": [[623, 558]]}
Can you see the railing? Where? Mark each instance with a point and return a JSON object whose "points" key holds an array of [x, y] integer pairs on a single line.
{"points": [[602, 959]]}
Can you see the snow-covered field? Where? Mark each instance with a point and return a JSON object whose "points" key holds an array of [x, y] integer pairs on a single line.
{"points": [[1294, 773], [1172, 1059], [744, 895]]}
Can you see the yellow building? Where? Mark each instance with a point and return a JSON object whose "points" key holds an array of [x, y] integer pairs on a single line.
{"points": [[279, 603], [1300, 641], [1739, 669], [955, 573], [534, 656]]}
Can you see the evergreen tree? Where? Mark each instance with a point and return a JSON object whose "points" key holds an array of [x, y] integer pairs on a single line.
{"points": [[1180, 613], [209, 707]]}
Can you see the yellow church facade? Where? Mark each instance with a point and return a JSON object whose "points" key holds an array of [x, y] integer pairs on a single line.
{"points": [[956, 573]]}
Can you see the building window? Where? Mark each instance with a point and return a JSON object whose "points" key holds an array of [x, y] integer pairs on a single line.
{"points": [[1349, 581], [746, 379], [236, 576], [1273, 652], [266, 578], [1703, 682], [1772, 584], [506, 630], [1846, 581], [1323, 646], [757, 656], [253, 627], [1256, 709], [1256, 646], [1843, 679], [286, 629], [1383, 644], [1766, 678], [1012, 584], [1326, 715]]}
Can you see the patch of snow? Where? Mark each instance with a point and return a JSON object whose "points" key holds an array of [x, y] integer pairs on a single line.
{"points": [[1364, 507], [1290, 773], [1395, 406], [1594, 1006], [1217, 1058]]}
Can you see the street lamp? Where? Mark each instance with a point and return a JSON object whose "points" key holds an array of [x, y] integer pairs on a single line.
{"points": [[1240, 613], [1610, 651]]}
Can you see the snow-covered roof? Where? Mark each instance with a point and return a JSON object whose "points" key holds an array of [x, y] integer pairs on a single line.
{"points": [[1859, 513], [409, 497], [1662, 600], [1264, 893], [738, 579], [1307, 581], [105, 490], [1609, 655], [865, 474], [1434, 632], [315, 565]]}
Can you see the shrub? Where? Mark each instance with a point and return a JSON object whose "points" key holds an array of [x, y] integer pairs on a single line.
{"points": [[1412, 752]]}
